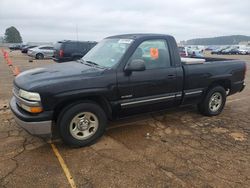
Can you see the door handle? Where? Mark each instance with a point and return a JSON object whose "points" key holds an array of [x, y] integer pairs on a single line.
{"points": [[171, 76]]}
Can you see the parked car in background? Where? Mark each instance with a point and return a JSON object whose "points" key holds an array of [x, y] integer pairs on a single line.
{"points": [[189, 52], [234, 51], [209, 48], [231, 51], [248, 50], [26, 48], [219, 50], [23, 46], [244, 51], [15, 46], [215, 51], [196, 48], [182, 51], [196, 54], [69, 50], [41, 52]]}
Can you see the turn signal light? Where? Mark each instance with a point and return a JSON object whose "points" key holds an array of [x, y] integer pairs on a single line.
{"points": [[33, 109], [36, 109]]}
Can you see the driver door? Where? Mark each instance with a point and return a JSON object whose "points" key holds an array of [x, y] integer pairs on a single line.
{"points": [[153, 88]]}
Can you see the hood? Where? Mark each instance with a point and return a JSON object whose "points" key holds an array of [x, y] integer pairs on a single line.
{"points": [[56, 73]]}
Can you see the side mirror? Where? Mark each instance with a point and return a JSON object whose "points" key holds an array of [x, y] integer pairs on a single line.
{"points": [[135, 65]]}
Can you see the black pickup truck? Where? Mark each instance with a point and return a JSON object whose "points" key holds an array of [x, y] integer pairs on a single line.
{"points": [[121, 76]]}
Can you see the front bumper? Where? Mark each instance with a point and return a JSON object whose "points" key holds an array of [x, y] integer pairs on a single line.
{"points": [[40, 124]]}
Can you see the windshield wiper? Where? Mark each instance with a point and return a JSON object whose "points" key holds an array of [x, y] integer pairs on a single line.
{"points": [[80, 61], [95, 64], [91, 63]]}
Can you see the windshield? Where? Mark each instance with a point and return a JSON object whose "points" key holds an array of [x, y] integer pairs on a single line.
{"points": [[108, 52]]}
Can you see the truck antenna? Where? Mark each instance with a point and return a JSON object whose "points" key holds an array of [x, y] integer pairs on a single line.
{"points": [[77, 32]]}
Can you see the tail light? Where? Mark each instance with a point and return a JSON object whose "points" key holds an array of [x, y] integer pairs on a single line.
{"points": [[61, 53]]}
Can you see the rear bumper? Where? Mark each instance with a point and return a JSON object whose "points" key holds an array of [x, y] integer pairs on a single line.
{"points": [[237, 87], [243, 87], [40, 124]]}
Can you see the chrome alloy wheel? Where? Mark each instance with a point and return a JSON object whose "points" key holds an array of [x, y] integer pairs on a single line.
{"points": [[83, 125], [215, 102]]}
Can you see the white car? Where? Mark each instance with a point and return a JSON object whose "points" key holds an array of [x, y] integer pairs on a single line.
{"points": [[41, 52], [244, 51]]}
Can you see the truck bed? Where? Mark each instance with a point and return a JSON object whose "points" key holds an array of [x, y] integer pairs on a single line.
{"points": [[186, 60], [213, 69]]}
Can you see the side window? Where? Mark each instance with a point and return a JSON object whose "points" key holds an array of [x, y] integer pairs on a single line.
{"points": [[47, 48], [155, 54], [70, 46]]}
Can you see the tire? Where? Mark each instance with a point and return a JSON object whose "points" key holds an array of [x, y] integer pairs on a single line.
{"points": [[74, 58], [214, 101], [82, 124], [39, 56]]}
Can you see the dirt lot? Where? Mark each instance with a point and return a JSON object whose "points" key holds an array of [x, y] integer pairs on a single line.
{"points": [[179, 148]]}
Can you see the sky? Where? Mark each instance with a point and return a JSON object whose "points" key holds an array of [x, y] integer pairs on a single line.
{"points": [[53, 20]]}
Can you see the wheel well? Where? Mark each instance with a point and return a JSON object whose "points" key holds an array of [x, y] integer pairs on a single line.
{"points": [[101, 101], [224, 83]]}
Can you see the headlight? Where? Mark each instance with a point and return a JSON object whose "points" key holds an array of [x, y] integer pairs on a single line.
{"points": [[29, 95]]}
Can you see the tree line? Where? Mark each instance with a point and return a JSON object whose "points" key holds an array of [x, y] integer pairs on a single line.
{"points": [[12, 35]]}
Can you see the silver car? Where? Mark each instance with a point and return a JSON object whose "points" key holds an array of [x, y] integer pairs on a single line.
{"points": [[41, 52]]}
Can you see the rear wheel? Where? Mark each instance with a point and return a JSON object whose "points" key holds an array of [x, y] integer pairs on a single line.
{"points": [[39, 56], [76, 58], [82, 124], [214, 102]]}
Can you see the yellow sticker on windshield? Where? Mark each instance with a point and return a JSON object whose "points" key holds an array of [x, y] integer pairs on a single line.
{"points": [[154, 53]]}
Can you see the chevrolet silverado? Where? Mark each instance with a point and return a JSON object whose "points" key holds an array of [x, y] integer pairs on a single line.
{"points": [[121, 76]]}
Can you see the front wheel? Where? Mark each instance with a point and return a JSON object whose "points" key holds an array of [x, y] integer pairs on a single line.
{"points": [[214, 102], [39, 56], [82, 124]]}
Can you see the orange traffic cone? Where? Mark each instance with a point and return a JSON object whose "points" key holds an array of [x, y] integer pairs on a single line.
{"points": [[9, 62], [5, 55], [16, 71]]}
